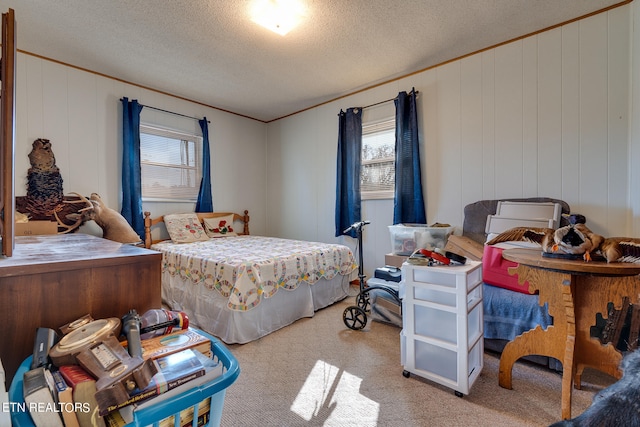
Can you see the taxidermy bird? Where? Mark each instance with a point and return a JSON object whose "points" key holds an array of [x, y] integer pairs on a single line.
{"points": [[621, 249], [539, 235], [573, 239], [44, 181], [576, 239]]}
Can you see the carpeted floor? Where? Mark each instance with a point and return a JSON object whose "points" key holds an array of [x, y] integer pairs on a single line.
{"points": [[317, 372]]}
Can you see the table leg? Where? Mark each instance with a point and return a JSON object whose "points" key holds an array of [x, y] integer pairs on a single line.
{"points": [[558, 341], [535, 341], [593, 293]]}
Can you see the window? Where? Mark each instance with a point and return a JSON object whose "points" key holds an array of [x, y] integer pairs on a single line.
{"points": [[170, 164], [377, 178]]}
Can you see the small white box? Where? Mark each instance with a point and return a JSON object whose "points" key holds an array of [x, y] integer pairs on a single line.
{"points": [[406, 238]]}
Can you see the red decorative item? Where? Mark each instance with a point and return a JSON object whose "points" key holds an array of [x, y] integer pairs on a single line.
{"points": [[223, 228], [435, 256]]}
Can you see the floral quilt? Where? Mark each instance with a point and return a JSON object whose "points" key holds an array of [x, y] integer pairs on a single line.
{"points": [[247, 268]]}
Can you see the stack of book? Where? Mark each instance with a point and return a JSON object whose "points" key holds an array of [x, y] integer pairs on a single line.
{"points": [[65, 396], [174, 370]]}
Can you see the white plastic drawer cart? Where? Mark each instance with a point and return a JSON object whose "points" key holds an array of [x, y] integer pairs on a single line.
{"points": [[442, 335]]}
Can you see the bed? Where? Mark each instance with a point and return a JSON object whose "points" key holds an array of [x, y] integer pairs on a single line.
{"points": [[240, 287]]}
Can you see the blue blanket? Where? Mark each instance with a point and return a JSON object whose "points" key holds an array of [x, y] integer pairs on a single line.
{"points": [[508, 314]]}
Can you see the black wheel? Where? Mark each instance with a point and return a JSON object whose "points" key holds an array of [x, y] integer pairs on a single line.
{"points": [[458, 393], [406, 374], [362, 301], [354, 317]]}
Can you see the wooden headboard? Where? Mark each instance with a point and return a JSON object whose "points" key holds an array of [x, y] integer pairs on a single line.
{"points": [[150, 222]]}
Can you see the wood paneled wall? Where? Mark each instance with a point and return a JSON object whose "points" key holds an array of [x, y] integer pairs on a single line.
{"points": [[547, 115], [80, 112]]}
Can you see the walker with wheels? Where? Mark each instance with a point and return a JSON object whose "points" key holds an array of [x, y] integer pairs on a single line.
{"points": [[355, 316]]}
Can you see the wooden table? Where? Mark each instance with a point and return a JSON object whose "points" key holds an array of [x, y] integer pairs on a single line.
{"points": [[52, 280], [576, 291]]}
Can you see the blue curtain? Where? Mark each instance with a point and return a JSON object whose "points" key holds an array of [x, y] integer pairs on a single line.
{"points": [[131, 175], [348, 170], [205, 203], [408, 206]]}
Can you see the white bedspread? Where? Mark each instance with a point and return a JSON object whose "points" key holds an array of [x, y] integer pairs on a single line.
{"points": [[246, 269]]}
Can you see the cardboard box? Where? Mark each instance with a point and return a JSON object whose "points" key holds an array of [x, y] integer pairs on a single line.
{"points": [[394, 260], [33, 228], [466, 247]]}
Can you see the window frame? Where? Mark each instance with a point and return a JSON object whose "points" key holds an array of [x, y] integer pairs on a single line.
{"points": [[153, 129]]}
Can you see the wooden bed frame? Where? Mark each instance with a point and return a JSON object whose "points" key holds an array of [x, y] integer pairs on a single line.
{"points": [[150, 222]]}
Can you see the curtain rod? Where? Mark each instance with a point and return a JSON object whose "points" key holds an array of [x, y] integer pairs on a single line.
{"points": [[171, 112], [383, 102]]}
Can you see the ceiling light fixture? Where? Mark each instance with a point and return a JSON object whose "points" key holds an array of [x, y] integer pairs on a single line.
{"points": [[279, 16]]}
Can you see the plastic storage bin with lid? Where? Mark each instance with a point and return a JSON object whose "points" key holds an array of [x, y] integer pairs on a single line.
{"points": [[188, 395], [406, 238]]}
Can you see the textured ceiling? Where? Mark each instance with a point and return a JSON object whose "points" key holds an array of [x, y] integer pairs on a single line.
{"points": [[209, 51]]}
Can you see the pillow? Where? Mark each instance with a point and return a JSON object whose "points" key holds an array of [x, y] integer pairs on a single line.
{"points": [[221, 226], [185, 228]]}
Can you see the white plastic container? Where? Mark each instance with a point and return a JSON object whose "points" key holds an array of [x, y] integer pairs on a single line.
{"points": [[406, 238], [442, 324]]}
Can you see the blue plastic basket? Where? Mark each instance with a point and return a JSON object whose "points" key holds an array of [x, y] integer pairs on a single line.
{"points": [[153, 414]]}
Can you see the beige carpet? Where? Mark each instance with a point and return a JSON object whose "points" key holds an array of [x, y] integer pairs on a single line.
{"points": [[317, 372]]}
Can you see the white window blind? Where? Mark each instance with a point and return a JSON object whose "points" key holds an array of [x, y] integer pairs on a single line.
{"points": [[170, 164], [377, 177]]}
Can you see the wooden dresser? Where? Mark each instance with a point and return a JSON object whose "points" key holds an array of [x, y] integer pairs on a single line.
{"points": [[52, 280]]}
